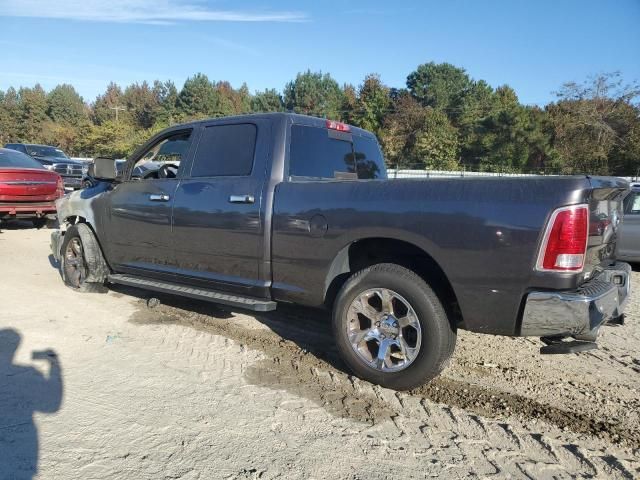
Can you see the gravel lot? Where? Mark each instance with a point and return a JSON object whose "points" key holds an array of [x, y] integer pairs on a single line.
{"points": [[188, 390]]}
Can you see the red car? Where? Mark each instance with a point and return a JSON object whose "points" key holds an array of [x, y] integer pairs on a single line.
{"points": [[27, 189]]}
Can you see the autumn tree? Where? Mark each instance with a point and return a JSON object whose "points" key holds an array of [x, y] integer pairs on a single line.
{"points": [[593, 121], [141, 105]]}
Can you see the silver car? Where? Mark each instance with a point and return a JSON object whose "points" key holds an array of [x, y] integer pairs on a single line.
{"points": [[629, 241]]}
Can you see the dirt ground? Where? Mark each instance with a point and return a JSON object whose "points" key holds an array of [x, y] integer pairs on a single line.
{"points": [[189, 390]]}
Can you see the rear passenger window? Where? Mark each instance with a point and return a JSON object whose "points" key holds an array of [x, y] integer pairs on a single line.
{"points": [[315, 154], [368, 158], [225, 150]]}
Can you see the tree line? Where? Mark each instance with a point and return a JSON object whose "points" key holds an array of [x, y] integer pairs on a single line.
{"points": [[442, 119]]}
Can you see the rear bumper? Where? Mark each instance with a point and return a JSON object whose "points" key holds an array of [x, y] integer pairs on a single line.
{"points": [[578, 314], [27, 209]]}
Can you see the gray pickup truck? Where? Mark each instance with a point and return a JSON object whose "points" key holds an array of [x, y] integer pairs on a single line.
{"points": [[256, 210]]}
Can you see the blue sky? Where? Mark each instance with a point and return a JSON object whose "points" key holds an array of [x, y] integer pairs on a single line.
{"points": [[533, 46]]}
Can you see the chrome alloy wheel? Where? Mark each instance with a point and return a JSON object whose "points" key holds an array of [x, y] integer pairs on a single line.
{"points": [[384, 330], [75, 268]]}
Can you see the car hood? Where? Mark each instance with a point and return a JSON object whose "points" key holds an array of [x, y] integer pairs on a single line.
{"points": [[59, 160]]}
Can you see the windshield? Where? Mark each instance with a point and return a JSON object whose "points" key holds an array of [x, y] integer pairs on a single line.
{"points": [[43, 151], [13, 159]]}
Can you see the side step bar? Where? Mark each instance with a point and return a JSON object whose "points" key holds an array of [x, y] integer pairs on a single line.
{"points": [[249, 303], [554, 346]]}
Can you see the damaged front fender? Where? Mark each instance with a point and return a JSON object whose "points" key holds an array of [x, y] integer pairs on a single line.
{"points": [[80, 206]]}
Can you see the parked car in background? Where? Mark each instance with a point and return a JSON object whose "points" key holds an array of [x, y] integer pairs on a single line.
{"points": [[256, 210], [54, 159], [27, 189], [629, 242]]}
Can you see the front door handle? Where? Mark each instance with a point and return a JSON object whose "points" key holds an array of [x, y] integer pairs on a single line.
{"points": [[159, 197], [242, 199]]}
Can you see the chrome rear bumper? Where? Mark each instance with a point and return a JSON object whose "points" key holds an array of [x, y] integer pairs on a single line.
{"points": [[578, 314]]}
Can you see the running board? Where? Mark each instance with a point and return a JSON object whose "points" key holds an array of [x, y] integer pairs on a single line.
{"points": [[249, 303], [554, 346]]}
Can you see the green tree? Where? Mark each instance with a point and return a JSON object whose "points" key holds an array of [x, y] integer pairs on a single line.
{"points": [[373, 104], [399, 133], [314, 94], [166, 96], [439, 85], [501, 135], [32, 112], [436, 144], [198, 97], [9, 112], [268, 100], [65, 105], [103, 107]]}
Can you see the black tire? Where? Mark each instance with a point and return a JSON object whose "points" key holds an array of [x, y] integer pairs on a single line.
{"points": [[83, 269], [438, 335]]}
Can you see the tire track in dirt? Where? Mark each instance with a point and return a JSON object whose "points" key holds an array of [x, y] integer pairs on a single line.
{"points": [[305, 364], [317, 341]]}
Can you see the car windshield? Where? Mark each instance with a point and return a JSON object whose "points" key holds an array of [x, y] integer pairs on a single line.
{"points": [[44, 151], [13, 159]]}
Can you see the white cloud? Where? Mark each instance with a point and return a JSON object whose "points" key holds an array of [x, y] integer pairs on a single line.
{"points": [[160, 12]]}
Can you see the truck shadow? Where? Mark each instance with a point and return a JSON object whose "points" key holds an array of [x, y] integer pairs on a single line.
{"points": [[308, 329]]}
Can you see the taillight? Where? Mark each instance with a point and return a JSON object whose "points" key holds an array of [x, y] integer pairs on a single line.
{"points": [[59, 187], [565, 240], [339, 126]]}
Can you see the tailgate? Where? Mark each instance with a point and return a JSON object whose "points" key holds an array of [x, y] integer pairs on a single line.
{"points": [[27, 185], [605, 205]]}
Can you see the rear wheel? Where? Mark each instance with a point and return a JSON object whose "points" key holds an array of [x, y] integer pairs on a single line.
{"points": [[82, 264], [391, 328]]}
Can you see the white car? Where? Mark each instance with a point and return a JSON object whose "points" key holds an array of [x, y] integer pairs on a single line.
{"points": [[629, 241]]}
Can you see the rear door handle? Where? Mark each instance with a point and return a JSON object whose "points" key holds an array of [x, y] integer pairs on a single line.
{"points": [[242, 199], [159, 197]]}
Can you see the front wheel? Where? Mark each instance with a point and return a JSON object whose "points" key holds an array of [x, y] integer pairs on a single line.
{"points": [[391, 328], [82, 265]]}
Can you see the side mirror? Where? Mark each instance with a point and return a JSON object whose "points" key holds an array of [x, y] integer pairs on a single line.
{"points": [[103, 168]]}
